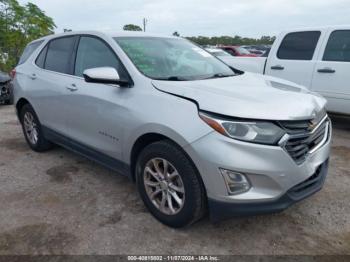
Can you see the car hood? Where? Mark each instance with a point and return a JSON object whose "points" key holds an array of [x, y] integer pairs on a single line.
{"points": [[248, 96]]}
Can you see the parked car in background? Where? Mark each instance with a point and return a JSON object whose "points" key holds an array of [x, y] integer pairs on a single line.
{"points": [[6, 94], [259, 50], [217, 52], [237, 51], [256, 52], [191, 137], [317, 58]]}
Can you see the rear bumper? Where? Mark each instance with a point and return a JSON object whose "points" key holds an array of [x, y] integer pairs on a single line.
{"points": [[220, 210]]}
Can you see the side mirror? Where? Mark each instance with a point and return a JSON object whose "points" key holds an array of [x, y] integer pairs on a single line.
{"points": [[104, 75]]}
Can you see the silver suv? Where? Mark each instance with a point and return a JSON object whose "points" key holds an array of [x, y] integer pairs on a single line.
{"points": [[193, 133]]}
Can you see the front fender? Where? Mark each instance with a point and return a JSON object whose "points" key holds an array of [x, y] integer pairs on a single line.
{"points": [[151, 128]]}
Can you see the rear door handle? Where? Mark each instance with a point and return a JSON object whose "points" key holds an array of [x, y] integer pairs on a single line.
{"points": [[277, 67], [33, 76], [72, 87], [326, 70]]}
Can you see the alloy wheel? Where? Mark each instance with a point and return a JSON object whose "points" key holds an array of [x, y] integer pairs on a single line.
{"points": [[164, 186], [31, 128]]}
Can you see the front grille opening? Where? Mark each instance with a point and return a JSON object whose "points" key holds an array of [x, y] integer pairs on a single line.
{"points": [[301, 140], [296, 127], [307, 184]]}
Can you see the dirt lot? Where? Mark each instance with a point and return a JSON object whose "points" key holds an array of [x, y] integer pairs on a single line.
{"points": [[61, 203]]}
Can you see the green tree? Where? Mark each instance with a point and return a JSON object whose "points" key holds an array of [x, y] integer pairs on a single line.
{"points": [[20, 25], [131, 27]]}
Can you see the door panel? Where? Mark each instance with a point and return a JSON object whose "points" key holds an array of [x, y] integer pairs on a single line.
{"points": [[49, 81], [95, 111], [95, 116], [331, 75], [49, 99], [293, 60]]}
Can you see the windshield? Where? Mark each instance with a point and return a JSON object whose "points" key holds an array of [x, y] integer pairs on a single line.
{"points": [[172, 59]]}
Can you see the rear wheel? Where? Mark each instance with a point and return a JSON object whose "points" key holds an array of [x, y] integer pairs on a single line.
{"points": [[32, 130], [169, 185]]}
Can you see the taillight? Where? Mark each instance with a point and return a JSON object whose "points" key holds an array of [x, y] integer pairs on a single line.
{"points": [[13, 73]]}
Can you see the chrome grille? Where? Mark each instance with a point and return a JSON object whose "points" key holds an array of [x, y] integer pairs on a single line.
{"points": [[302, 139]]}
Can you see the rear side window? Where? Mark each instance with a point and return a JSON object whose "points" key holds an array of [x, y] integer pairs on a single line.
{"points": [[59, 55], [338, 47], [93, 53], [40, 61], [28, 51], [299, 46]]}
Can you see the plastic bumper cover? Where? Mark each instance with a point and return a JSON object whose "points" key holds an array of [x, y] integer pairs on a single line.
{"points": [[220, 210]]}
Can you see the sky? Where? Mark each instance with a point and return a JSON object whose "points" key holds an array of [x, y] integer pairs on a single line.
{"points": [[248, 18]]}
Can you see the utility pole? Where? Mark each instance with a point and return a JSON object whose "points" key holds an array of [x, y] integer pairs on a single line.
{"points": [[144, 21]]}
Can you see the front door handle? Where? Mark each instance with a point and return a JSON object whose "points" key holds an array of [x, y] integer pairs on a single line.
{"points": [[277, 67], [326, 70], [72, 87]]}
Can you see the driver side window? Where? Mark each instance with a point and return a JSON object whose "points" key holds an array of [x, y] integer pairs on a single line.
{"points": [[93, 53]]}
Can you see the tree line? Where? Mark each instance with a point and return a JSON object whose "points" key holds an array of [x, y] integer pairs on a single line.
{"points": [[19, 25], [217, 40], [229, 40]]}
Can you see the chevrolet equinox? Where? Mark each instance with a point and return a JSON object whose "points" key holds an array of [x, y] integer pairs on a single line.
{"points": [[193, 133]]}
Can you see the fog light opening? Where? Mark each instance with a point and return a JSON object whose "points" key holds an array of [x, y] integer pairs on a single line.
{"points": [[236, 183]]}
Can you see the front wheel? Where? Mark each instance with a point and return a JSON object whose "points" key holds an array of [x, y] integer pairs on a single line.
{"points": [[169, 185]]}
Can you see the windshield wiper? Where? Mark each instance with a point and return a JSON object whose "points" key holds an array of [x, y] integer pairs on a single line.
{"points": [[218, 75], [172, 78], [180, 78]]}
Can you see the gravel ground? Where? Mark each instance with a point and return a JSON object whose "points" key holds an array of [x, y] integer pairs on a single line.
{"points": [[61, 203]]}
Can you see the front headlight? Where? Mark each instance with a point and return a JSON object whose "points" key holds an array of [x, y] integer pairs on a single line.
{"points": [[261, 132]]}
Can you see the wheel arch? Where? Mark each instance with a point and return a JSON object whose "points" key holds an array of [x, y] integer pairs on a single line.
{"points": [[140, 143], [19, 105], [151, 137]]}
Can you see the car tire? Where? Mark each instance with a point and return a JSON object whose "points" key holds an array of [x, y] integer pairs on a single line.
{"points": [[180, 185], [32, 130]]}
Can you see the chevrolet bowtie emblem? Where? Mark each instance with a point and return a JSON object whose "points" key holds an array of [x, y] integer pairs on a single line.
{"points": [[317, 117], [313, 123]]}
